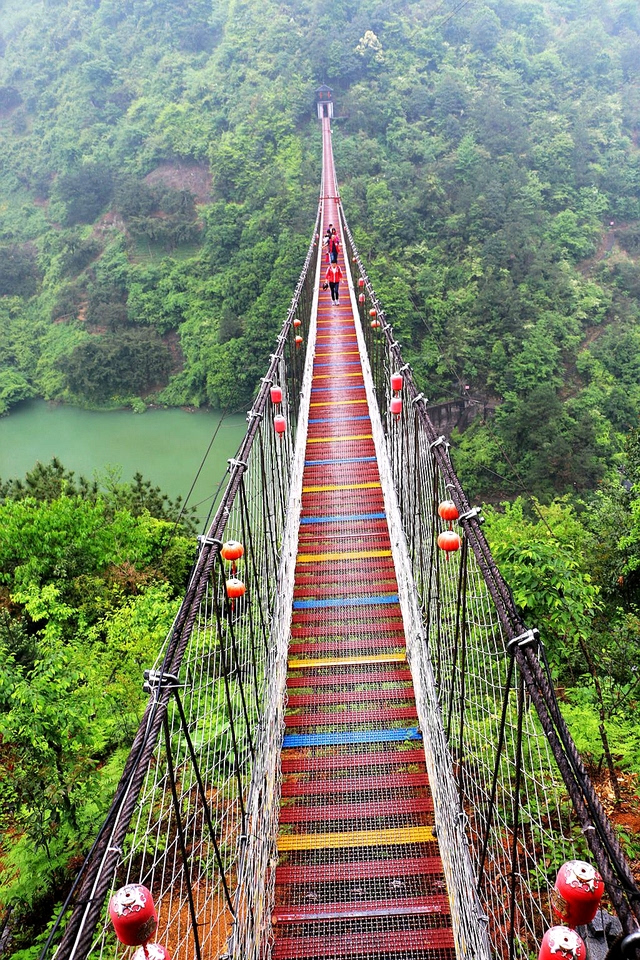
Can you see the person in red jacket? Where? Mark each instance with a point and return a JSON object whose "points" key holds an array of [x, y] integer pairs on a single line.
{"points": [[333, 276]]}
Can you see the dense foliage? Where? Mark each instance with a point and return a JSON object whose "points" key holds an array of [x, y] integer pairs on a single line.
{"points": [[90, 578]]}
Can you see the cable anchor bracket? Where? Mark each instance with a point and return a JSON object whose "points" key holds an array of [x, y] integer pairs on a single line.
{"points": [[529, 638]]}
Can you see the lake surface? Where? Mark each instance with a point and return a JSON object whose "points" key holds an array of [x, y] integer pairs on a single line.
{"points": [[165, 446]]}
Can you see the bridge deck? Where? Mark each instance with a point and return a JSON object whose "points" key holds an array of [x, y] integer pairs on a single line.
{"points": [[359, 872]]}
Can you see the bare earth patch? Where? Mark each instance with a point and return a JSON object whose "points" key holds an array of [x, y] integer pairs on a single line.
{"points": [[194, 177]]}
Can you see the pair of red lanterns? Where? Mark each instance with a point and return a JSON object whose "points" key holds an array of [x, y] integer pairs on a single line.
{"points": [[449, 540], [396, 401], [231, 551], [279, 422], [135, 921], [575, 899]]}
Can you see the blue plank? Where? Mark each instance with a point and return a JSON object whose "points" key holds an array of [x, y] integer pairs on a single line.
{"points": [[344, 602], [345, 516], [350, 736], [338, 386]]}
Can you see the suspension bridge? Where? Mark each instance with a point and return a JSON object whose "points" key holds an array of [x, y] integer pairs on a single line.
{"points": [[352, 745]]}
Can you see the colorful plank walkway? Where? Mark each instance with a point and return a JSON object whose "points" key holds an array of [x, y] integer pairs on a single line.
{"points": [[359, 872]]}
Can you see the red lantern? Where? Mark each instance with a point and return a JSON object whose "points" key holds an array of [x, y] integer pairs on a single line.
{"points": [[561, 943], [297, 322], [361, 281], [396, 406], [276, 394], [280, 424], [373, 312], [449, 540], [235, 588], [577, 893], [396, 381], [375, 324], [232, 550], [298, 340], [133, 914], [448, 510], [361, 298], [152, 951]]}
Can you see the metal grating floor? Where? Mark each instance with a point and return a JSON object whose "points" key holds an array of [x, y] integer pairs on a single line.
{"points": [[359, 873]]}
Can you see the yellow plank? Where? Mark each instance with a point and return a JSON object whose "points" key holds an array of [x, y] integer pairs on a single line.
{"points": [[347, 555], [297, 664], [340, 486], [356, 436], [358, 838]]}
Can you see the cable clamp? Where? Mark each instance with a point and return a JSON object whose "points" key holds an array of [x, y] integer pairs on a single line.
{"points": [[633, 940], [266, 379], [405, 366], [115, 849], [240, 463], [420, 396], [204, 541], [252, 414], [527, 639], [156, 679], [439, 442], [273, 357], [472, 515], [281, 338], [482, 918]]}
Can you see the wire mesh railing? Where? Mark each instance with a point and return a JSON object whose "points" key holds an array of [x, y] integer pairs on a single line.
{"points": [[483, 687], [194, 818]]}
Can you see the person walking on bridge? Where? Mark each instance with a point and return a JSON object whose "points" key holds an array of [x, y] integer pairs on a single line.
{"points": [[334, 247], [333, 277]]}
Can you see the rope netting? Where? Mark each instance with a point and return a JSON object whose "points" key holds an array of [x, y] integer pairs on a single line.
{"points": [[519, 798], [196, 805]]}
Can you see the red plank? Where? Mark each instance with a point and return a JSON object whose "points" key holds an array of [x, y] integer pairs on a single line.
{"points": [[292, 761], [360, 676], [298, 813], [359, 944], [348, 645], [349, 696], [296, 788], [407, 906], [359, 870], [342, 717]]}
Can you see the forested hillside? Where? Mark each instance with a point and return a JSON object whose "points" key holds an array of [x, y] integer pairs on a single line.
{"points": [[159, 173]]}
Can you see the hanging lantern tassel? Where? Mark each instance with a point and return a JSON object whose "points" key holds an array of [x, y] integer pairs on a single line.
{"points": [[152, 951], [231, 551], [561, 943], [576, 895], [133, 914], [396, 406], [449, 541], [280, 424], [276, 394], [448, 511]]}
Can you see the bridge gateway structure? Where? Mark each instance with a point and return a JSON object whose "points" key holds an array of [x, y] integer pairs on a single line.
{"points": [[362, 755]]}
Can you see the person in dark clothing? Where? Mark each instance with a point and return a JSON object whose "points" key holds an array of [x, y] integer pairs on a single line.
{"points": [[326, 241], [333, 277]]}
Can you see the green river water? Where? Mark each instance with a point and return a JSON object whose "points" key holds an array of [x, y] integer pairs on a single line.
{"points": [[165, 446]]}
